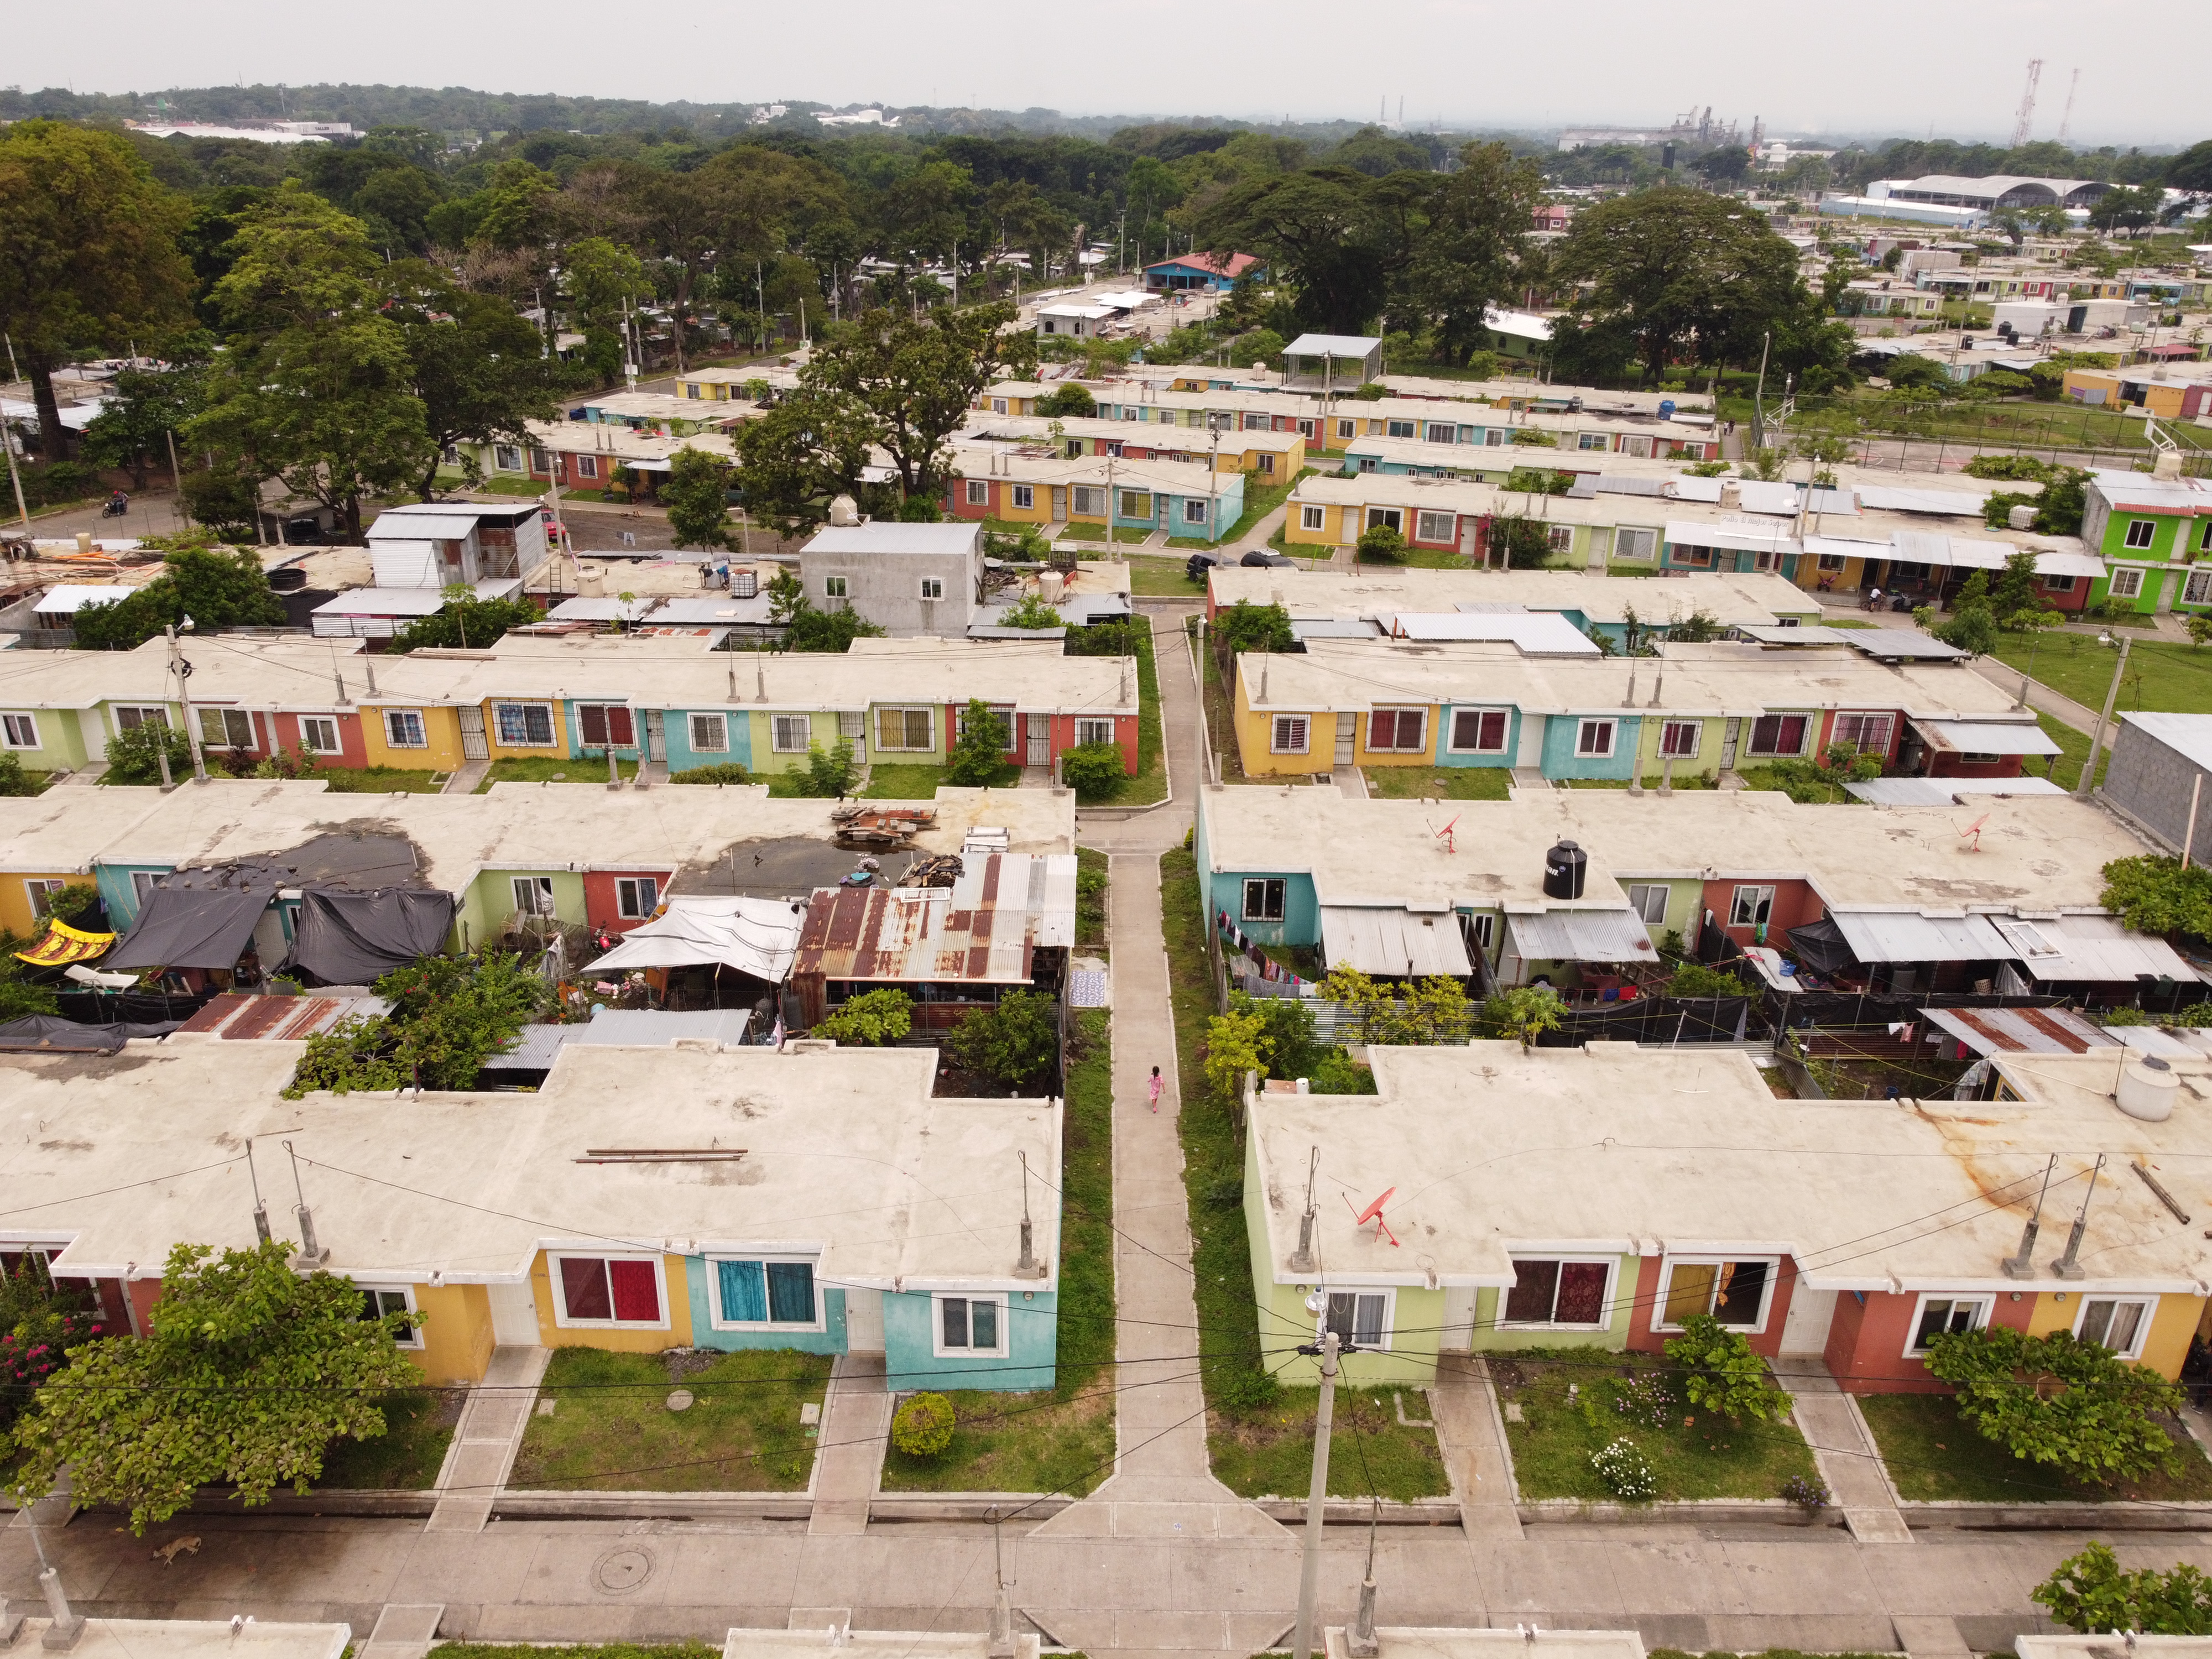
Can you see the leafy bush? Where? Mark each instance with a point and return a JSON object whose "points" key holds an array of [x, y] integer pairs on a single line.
{"points": [[830, 772], [1525, 543], [696, 494], [922, 1427], [1247, 627], [1015, 1040], [39, 1325], [1031, 611], [224, 588], [1234, 1043], [1093, 770], [1626, 1472], [134, 756], [465, 623], [13, 780], [2054, 1401], [75, 903], [871, 1019], [721, 772], [2007, 466], [2090, 1593], [1694, 979], [1722, 1374], [1808, 1492], [2155, 894], [1338, 1074], [1536, 438], [1068, 399], [1539, 481], [1373, 392], [1381, 541], [1524, 1012], [978, 754], [449, 1014]]}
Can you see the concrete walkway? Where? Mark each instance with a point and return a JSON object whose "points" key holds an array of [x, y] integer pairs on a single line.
{"points": [[463, 779], [856, 1429], [1842, 1450], [1471, 1437], [2040, 696], [403, 1631], [488, 1438]]}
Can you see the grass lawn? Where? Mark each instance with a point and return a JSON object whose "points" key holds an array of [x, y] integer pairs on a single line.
{"points": [[1091, 876], [580, 1650], [417, 1426], [1614, 567], [1420, 558], [1697, 1453], [2160, 674], [1261, 500], [1269, 1453], [1150, 783], [1933, 1455], [1438, 782], [506, 483], [1060, 1439], [611, 1429], [887, 780], [1162, 579], [2066, 769], [1097, 532], [381, 779], [551, 768]]}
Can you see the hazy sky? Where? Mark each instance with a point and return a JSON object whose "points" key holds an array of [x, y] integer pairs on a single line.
{"points": [[1880, 66]]}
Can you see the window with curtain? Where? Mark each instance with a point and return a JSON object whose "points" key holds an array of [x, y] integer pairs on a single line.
{"points": [[764, 1292], [1359, 1317], [1556, 1293], [608, 1289], [1733, 1293]]}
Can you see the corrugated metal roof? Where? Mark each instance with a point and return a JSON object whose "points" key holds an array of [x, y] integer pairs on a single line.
{"points": [[237, 1017], [981, 931], [1386, 941], [1582, 936], [1742, 538], [2099, 949], [1939, 791], [941, 539], [1951, 503], [1535, 633], [1774, 634], [2019, 1030], [606, 609], [1895, 644], [1909, 936], [1331, 345], [1989, 736], [1760, 496], [422, 526]]}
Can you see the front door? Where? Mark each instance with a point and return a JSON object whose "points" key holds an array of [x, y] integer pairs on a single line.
{"points": [[1346, 726], [656, 737], [1039, 753], [1059, 503], [513, 1315], [1806, 1329], [864, 1319], [1729, 734], [472, 732]]}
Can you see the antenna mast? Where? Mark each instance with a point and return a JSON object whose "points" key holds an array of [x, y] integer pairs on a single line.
{"points": [[2025, 118], [2066, 121]]}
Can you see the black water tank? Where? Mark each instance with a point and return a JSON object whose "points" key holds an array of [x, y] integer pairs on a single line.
{"points": [[287, 579], [1566, 866]]}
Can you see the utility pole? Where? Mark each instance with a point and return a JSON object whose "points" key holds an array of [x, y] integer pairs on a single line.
{"points": [[2103, 719], [1759, 395], [183, 671], [7, 443], [1318, 1498], [177, 477]]}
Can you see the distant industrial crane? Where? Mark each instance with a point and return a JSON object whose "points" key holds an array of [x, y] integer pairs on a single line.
{"points": [[2066, 121], [2025, 118]]}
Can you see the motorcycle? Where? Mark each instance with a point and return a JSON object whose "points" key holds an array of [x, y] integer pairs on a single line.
{"points": [[115, 506]]}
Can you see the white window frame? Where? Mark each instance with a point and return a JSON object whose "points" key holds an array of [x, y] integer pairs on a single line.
{"points": [[1397, 429], [779, 725], [937, 1348], [719, 1320], [998, 405], [1440, 432], [1984, 1309], [718, 726], [2126, 582], [1290, 735], [413, 1339], [153, 713], [311, 740], [1666, 1283], [1559, 538], [1389, 1325], [2142, 1330], [904, 711], [20, 731], [1024, 495], [408, 720], [1648, 900], [1347, 428], [1311, 518], [143, 883], [1610, 1263], [979, 492], [553, 732], [1091, 729], [1394, 517], [587, 466], [507, 458], [1453, 746], [834, 588], [1592, 441], [933, 587], [40, 890], [1810, 726], [636, 897], [1866, 717], [1484, 925], [1435, 528], [1738, 906], [1282, 898], [1196, 510], [537, 900], [1585, 750], [223, 716], [1695, 728], [2198, 590], [2140, 533], [561, 1320]]}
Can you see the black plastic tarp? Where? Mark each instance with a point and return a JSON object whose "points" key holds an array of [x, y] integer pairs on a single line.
{"points": [[352, 938], [51, 1032], [1820, 946], [191, 927]]}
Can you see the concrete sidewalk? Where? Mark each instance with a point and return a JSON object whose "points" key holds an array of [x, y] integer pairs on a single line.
{"points": [[1842, 1450], [487, 1438], [2040, 698], [1471, 1437], [856, 1426]]}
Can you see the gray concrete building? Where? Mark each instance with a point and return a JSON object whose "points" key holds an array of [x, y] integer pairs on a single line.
{"points": [[2159, 769], [908, 579]]}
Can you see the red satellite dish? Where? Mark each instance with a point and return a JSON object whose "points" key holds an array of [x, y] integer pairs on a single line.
{"points": [[1374, 1213], [1443, 835], [1972, 835]]}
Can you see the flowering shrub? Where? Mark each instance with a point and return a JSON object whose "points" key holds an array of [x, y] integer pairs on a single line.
{"points": [[38, 1328], [1646, 1401], [1626, 1472], [1807, 1493]]}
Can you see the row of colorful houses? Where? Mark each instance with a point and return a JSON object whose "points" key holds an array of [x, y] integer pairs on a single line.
{"points": [[1094, 493], [662, 702]]}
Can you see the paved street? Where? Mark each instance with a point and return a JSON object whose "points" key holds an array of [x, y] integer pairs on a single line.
{"points": [[1161, 1558]]}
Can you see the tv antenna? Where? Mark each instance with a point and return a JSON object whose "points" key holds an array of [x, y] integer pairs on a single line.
{"points": [[1445, 835], [2025, 118], [1972, 835], [2066, 121], [1374, 1213]]}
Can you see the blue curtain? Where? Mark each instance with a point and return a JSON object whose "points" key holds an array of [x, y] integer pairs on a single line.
{"points": [[791, 1292], [744, 1299]]}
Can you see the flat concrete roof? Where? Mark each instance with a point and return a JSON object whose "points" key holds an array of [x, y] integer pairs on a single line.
{"points": [[846, 1153], [1369, 594], [1397, 1642], [2041, 855], [194, 1638], [888, 537], [1623, 1149], [1687, 681], [743, 1643]]}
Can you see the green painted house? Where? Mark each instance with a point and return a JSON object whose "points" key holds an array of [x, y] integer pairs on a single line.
{"points": [[2155, 535]]}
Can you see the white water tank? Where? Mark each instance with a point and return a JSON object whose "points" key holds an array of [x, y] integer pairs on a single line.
{"points": [[2021, 517], [2147, 1088], [844, 511], [1052, 586]]}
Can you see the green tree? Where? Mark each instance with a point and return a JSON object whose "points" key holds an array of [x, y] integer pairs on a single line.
{"points": [[133, 428], [216, 588], [2092, 1594], [2155, 895], [448, 1015], [1068, 401], [465, 623], [869, 1020], [1093, 770], [1972, 627], [2058, 1402], [481, 372], [1470, 255], [1678, 272], [1722, 1374], [317, 387], [2018, 589], [1337, 239], [830, 772], [978, 754], [795, 459], [602, 280], [134, 756], [697, 497], [1015, 1040], [1525, 543], [1235, 1044], [1247, 627], [88, 253], [916, 379], [247, 1373], [1525, 1012]]}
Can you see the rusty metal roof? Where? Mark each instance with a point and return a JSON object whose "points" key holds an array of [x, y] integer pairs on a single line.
{"points": [[2030, 1030], [981, 931], [238, 1017]]}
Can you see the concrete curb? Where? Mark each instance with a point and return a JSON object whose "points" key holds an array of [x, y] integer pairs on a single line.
{"points": [[1704, 1511]]}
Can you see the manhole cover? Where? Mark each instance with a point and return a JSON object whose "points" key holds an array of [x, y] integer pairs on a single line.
{"points": [[623, 1570], [680, 1399]]}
